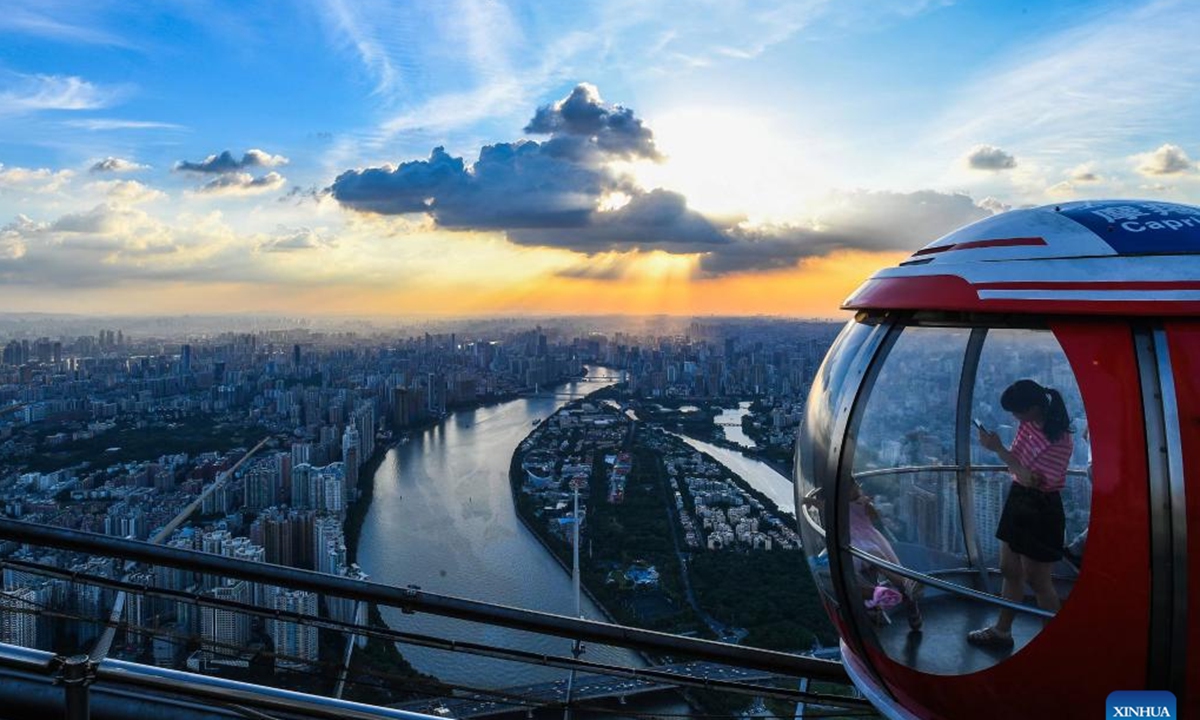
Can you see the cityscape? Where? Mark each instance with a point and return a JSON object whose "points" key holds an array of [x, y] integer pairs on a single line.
{"points": [[266, 445], [623, 360]]}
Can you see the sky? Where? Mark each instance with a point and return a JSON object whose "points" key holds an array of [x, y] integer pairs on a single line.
{"points": [[489, 157]]}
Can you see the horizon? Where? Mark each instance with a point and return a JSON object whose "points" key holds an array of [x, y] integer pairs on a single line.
{"points": [[493, 157]]}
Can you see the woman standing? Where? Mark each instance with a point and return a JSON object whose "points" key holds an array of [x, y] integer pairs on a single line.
{"points": [[1032, 522]]}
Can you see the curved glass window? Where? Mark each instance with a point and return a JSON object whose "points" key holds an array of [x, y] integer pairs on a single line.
{"points": [[1009, 355], [813, 448], [921, 498]]}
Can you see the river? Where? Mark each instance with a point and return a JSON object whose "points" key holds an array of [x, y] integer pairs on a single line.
{"points": [[757, 474], [442, 517], [730, 421]]}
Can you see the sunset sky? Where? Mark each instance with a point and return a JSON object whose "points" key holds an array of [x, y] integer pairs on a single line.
{"points": [[480, 157]]}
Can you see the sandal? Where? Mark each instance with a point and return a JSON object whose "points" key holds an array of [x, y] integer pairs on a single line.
{"points": [[990, 637]]}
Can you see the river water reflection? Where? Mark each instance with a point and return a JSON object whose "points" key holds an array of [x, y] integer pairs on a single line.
{"points": [[757, 474], [442, 517]]}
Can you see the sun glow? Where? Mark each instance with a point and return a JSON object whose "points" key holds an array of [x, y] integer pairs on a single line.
{"points": [[731, 163]]}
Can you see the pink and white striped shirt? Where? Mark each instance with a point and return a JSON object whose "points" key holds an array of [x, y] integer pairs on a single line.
{"points": [[1046, 459]]}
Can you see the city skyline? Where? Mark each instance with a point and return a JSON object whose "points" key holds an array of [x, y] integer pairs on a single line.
{"points": [[484, 158]]}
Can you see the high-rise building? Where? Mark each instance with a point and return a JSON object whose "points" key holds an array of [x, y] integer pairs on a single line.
{"points": [[224, 632], [302, 495], [329, 545], [18, 617], [295, 641]]}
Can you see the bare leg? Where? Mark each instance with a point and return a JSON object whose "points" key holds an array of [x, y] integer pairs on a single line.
{"points": [[1013, 589], [1038, 574]]}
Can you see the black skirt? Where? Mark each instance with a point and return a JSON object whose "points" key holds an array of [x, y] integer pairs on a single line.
{"points": [[1033, 523]]}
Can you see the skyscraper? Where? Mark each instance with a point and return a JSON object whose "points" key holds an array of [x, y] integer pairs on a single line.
{"points": [[298, 642]]}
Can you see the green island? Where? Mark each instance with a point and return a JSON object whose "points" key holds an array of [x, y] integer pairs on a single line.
{"points": [[670, 539]]}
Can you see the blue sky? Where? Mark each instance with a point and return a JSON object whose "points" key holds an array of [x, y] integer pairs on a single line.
{"points": [[783, 141]]}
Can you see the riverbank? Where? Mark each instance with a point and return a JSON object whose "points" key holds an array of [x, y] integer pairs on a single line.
{"points": [[784, 469], [515, 477]]}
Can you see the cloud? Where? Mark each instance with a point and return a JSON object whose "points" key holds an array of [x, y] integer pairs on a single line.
{"points": [[858, 220], [115, 164], [242, 184], [994, 205], [1084, 173], [296, 240], [41, 180], [557, 194], [33, 93], [227, 163], [370, 42], [112, 245], [539, 190], [1084, 86], [120, 124], [27, 20], [583, 122], [12, 242], [988, 157], [1166, 160], [127, 192]]}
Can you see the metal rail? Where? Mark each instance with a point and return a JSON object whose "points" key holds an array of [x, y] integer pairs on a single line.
{"points": [[567, 663], [218, 691], [104, 643], [413, 599]]}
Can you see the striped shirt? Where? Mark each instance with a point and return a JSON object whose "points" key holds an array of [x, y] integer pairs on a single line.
{"points": [[1048, 460]]}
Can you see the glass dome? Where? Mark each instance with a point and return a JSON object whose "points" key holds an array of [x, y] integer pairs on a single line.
{"points": [[897, 499]]}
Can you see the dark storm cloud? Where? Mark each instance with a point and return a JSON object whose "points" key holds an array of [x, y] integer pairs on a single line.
{"points": [[227, 163], [988, 157], [542, 193], [551, 194], [583, 121]]}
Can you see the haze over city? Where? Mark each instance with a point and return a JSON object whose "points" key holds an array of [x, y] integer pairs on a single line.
{"points": [[482, 158]]}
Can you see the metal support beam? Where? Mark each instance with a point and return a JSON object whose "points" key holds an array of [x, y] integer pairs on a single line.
{"points": [[76, 674]]}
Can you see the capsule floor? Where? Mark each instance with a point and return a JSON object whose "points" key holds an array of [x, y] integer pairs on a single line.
{"points": [[941, 647]]}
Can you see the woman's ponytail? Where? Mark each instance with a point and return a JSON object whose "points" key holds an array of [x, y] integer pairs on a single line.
{"points": [[1057, 421]]}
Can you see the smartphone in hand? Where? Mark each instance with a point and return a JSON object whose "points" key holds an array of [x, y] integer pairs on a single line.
{"points": [[979, 424]]}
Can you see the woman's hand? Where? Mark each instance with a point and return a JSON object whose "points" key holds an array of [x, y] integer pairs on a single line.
{"points": [[990, 440]]}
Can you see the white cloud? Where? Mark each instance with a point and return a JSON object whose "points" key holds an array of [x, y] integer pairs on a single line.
{"points": [[369, 32], [100, 124], [1084, 173], [1091, 86], [1168, 159], [30, 20], [116, 164], [128, 192], [40, 180], [296, 240], [32, 93]]}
